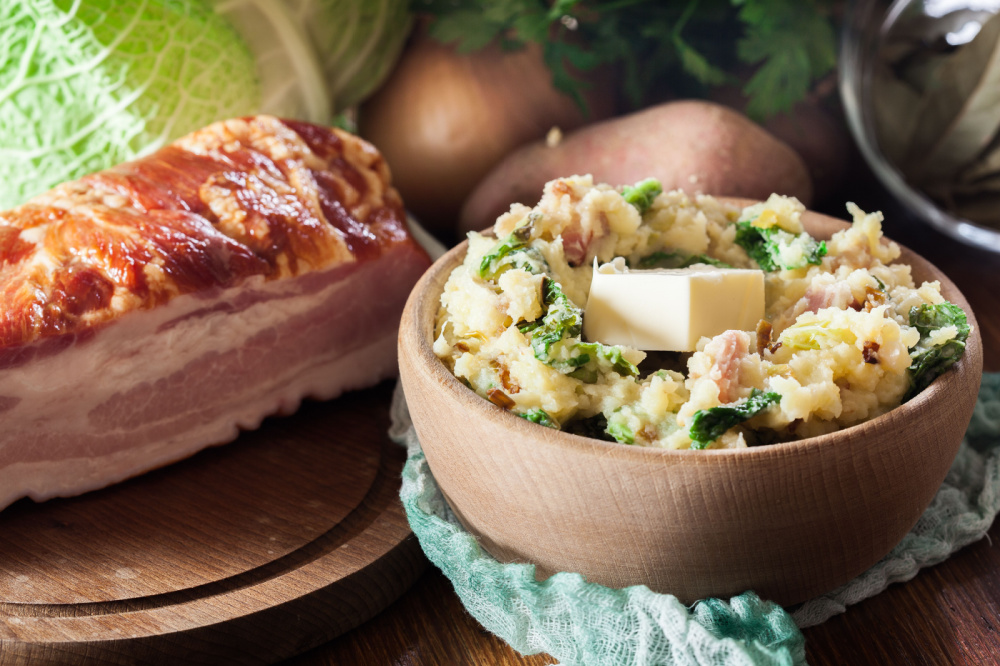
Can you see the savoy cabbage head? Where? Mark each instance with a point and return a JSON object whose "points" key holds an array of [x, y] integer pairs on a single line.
{"points": [[86, 84]]}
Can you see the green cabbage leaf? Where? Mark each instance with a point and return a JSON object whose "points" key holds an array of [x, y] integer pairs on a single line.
{"points": [[929, 360], [318, 57], [85, 85], [358, 42], [556, 340], [708, 425]]}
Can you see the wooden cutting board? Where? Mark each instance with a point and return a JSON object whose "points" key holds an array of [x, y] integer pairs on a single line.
{"points": [[246, 553]]}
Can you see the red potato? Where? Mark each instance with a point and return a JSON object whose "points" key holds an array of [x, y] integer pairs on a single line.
{"points": [[821, 139], [691, 145], [815, 128]]}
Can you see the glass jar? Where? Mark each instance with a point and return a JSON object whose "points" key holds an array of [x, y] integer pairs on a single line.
{"points": [[900, 92]]}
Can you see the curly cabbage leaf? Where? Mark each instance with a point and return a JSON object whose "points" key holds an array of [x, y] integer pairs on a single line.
{"points": [[774, 248], [678, 260], [86, 85], [541, 417], [814, 333], [619, 428], [642, 194], [556, 340], [708, 425], [513, 251], [933, 355]]}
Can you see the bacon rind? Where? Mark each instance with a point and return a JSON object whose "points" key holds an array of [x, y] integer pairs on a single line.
{"points": [[245, 197], [161, 306]]}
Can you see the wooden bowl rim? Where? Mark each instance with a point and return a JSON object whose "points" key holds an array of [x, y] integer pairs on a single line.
{"points": [[414, 332]]}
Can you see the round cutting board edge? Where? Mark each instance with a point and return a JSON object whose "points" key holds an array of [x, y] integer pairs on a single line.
{"points": [[309, 596]]}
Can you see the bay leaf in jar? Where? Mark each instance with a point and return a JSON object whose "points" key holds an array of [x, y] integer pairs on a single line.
{"points": [[936, 106], [960, 111], [895, 121]]}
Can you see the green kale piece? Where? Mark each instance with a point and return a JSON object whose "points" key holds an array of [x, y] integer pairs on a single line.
{"points": [[541, 417], [766, 246], [513, 252], [708, 425], [641, 194], [927, 360], [678, 260], [611, 354], [563, 320], [620, 430], [556, 340], [661, 260]]}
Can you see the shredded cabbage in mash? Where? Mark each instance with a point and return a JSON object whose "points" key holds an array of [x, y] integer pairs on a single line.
{"points": [[847, 335]]}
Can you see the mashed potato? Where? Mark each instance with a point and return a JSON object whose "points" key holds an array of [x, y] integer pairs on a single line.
{"points": [[838, 345]]}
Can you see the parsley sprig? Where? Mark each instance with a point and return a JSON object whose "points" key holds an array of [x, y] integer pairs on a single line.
{"points": [[687, 46]]}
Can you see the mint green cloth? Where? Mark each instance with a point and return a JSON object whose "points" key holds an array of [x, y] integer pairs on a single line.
{"points": [[581, 623]]}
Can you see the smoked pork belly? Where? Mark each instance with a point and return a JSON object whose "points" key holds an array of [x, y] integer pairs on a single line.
{"points": [[159, 307]]}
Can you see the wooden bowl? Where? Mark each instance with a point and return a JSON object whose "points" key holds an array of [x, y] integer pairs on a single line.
{"points": [[789, 521]]}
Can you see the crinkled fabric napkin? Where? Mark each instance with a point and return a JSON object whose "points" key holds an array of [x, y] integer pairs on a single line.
{"points": [[581, 623]]}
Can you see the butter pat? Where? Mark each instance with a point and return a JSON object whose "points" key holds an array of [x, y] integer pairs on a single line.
{"points": [[670, 309]]}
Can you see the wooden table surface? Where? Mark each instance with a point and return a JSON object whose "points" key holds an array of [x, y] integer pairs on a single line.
{"points": [[947, 614]]}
